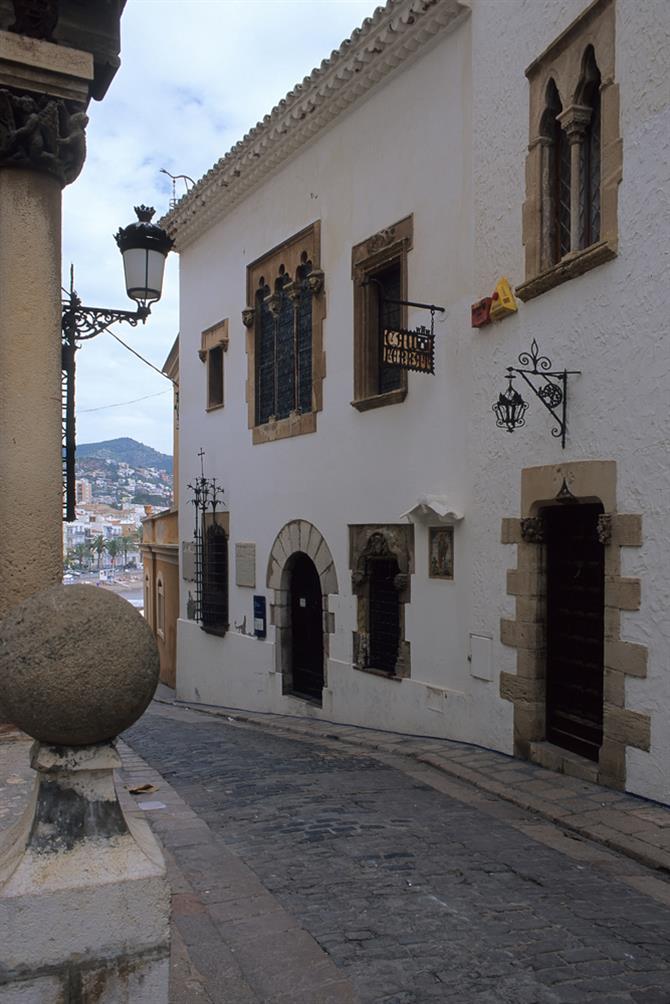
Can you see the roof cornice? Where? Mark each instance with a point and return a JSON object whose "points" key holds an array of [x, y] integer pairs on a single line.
{"points": [[392, 36]]}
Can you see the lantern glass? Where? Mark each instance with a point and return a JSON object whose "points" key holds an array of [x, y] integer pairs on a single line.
{"points": [[144, 274]]}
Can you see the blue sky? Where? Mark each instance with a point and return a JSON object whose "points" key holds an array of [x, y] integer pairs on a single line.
{"points": [[195, 76]]}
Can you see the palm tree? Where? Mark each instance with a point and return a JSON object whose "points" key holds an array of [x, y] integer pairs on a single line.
{"points": [[81, 552], [113, 548], [98, 545]]}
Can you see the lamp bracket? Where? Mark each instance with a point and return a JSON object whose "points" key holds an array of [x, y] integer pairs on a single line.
{"points": [[80, 323], [549, 386]]}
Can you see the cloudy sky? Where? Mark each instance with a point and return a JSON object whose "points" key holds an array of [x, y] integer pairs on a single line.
{"points": [[195, 76]]}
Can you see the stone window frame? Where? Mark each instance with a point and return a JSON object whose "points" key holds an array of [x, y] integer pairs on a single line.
{"points": [[588, 481], [287, 254], [562, 62], [298, 537], [369, 256], [214, 337], [399, 541]]}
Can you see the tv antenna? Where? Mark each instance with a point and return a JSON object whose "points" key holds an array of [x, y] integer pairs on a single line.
{"points": [[175, 178]]}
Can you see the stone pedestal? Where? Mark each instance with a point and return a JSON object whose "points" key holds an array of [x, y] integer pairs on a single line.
{"points": [[84, 899], [84, 902]]}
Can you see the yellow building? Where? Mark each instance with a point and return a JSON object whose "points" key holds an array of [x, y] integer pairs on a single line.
{"points": [[160, 553]]}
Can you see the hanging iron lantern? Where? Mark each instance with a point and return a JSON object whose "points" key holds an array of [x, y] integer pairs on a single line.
{"points": [[510, 408]]}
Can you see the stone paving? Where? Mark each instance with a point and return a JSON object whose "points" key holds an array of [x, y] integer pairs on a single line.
{"points": [[309, 871], [635, 826]]}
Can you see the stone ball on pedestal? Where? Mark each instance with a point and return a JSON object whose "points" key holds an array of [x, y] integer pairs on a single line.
{"points": [[78, 665]]}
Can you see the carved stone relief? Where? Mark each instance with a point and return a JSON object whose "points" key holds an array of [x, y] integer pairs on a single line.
{"points": [[532, 530], [42, 133]]}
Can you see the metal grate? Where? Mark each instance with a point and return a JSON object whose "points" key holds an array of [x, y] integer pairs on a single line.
{"points": [[215, 579], [304, 343], [384, 614], [285, 354], [265, 362], [284, 348]]}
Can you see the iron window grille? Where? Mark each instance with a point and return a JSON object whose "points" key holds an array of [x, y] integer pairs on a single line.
{"points": [[284, 345], [211, 557]]}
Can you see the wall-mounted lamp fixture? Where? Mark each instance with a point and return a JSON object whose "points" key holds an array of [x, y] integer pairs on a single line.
{"points": [[144, 247], [510, 408]]}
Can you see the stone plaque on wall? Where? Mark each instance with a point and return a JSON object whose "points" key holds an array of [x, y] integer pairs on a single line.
{"points": [[245, 565], [188, 560]]}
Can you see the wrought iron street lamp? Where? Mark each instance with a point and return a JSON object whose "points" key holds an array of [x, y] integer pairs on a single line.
{"points": [[144, 247]]}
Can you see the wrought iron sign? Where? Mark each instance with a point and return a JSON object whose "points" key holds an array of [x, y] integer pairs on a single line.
{"points": [[410, 350], [550, 386]]}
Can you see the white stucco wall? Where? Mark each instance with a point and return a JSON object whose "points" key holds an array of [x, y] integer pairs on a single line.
{"points": [[609, 324], [444, 139]]}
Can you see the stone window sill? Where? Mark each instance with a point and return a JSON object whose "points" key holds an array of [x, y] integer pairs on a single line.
{"points": [[283, 428], [380, 400], [214, 407], [220, 632], [379, 672], [573, 264]]}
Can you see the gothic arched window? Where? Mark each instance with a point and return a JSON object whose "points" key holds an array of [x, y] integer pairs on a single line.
{"points": [[284, 322], [555, 181]]}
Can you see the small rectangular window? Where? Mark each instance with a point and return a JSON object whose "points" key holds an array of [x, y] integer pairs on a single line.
{"points": [[213, 344], [215, 377]]}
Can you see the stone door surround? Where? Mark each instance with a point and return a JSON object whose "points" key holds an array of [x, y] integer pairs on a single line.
{"points": [[298, 537], [585, 481]]}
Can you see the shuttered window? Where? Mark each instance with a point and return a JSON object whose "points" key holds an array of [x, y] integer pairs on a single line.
{"points": [[215, 580]]}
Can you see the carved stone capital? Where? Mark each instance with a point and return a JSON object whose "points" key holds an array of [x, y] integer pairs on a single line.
{"points": [[42, 133], [604, 529], [248, 315], [532, 530], [292, 290], [574, 121], [315, 281], [274, 303]]}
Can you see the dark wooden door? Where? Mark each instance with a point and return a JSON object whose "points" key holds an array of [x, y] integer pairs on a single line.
{"points": [[384, 614], [306, 628], [575, 628]]}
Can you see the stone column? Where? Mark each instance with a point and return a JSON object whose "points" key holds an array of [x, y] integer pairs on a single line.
{"points": [[44, 90], [574, 121]]}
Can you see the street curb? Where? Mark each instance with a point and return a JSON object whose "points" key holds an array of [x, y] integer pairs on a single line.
{"points": [[626, 844]]}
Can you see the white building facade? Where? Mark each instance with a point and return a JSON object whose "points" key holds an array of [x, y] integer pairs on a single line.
{"points": [[422, 569]]}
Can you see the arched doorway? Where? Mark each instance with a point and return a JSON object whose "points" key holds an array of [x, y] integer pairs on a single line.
{"points": [[575, 627], [306, 606]]}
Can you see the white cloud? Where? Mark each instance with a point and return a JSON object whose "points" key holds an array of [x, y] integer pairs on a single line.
{"points": [[196, 75]]}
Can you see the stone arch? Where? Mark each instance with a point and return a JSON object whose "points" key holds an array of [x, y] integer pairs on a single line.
{"points": [[298, 537]]}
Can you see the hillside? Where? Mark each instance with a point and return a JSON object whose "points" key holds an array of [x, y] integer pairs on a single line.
{"points": [[126, 451]]}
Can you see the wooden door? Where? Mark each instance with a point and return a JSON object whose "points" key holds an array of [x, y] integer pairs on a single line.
{"points": [[575, 628], [306, 628]]}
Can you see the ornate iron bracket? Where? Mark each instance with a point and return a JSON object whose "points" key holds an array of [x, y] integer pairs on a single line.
{"points": [[78, 324], [552, 391]]}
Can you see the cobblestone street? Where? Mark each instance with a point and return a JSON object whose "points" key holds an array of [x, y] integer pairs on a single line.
{"points": [[315, 873]]}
